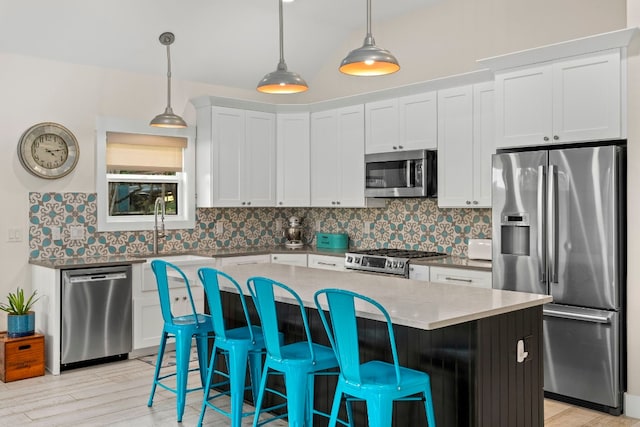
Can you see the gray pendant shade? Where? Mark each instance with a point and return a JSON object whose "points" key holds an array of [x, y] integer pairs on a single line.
{"points": [[282, 81], [168, 119], [369, 60]]}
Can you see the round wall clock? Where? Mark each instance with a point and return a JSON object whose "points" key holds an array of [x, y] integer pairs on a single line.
{"points": [[48, 150]]}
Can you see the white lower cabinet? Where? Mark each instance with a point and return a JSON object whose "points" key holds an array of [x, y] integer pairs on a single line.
{"points": [[461, 276], [326, 262], [419, 272], [147, 315], [290, 259]]}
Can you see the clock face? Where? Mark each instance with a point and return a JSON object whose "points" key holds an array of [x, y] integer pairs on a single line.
{"points": [[48, 150]]}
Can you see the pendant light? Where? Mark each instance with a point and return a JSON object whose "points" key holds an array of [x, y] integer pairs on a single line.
{"points": [[282, 81], [168, 119], [369, 60]]}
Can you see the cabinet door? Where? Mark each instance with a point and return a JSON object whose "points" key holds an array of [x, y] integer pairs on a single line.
{"points": [[461, 276], [325, 159], [586, 103], [292, 151], [382, 121], [350, 122], [483, 143], [258, 171], [418, 121], [523, 107], [228, 142], [455, 147]]}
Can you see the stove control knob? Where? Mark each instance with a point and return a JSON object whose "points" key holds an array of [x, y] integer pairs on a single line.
{"points": [[400, 264], [349, 259], [356, 260]]}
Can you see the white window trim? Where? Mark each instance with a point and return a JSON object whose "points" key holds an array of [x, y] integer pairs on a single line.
{"points": [[187, 208]]}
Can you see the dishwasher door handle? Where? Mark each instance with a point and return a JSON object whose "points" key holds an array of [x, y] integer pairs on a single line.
{"points": [[97, 277]]}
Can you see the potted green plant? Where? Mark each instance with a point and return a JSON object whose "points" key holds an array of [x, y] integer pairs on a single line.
{"points": [[20, 319]]}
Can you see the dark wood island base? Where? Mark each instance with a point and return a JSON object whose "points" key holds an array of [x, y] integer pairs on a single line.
{"points": [[476, 379]]}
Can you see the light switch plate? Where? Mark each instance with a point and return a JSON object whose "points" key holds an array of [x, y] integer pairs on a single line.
{"points": [[56, 233]]}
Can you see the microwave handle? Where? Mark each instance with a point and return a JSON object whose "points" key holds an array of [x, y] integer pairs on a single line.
{"points": [[408, 169]]}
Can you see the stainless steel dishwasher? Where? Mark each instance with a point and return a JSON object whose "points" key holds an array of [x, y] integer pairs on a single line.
{"points": [[96, 322]]}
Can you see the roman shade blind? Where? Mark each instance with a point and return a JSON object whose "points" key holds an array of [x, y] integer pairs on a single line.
{"points": [[144, 153]]}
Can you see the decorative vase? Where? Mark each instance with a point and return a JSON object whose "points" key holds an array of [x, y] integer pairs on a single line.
{"points": [[21, 325]]}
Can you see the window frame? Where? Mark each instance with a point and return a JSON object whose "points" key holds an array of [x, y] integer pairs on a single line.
{"points": [[186, 184]]}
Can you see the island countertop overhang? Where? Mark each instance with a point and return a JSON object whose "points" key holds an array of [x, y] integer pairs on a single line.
{"points": [[413, 303]]}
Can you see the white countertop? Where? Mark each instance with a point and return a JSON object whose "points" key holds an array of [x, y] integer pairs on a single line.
{"points": [[418, 304]]}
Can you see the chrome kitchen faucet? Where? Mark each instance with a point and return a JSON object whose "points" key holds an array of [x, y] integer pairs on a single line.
{"points": [[158, 233]]}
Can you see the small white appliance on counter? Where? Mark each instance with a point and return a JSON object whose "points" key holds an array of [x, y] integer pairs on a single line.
{"points": [[479, 249]]}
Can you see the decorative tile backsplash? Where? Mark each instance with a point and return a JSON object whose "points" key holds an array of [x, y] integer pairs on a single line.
{"points": [[402, 223]]}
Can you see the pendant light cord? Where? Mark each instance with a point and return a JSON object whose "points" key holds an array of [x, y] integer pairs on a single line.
{"points": [[168, 78], [281, 35], [368, 18]]}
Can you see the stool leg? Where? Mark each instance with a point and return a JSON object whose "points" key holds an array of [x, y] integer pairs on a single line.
{"points": [[263, 386], [237, 376], [202, 342], [379, 411], [296, 388], [335, 408], [309, 401], [207, 386], [183, 349], [428, 405], [163, 344], [255, 371]]}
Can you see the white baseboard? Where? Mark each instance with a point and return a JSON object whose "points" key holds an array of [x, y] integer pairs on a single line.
{"points": [[632, 405]]}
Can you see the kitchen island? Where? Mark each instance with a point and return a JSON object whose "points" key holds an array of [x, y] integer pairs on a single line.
{"points": [[466, 338]]}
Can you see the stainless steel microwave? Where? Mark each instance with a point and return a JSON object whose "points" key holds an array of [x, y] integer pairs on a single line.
{"points": [[401, 174]]}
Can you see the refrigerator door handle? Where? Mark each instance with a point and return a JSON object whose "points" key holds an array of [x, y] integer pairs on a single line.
{"points": [[576, 316], [542, 209], [552, 224]]}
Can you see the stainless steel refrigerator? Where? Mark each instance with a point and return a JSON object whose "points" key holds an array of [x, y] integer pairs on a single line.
{"points": [[559, 229]]}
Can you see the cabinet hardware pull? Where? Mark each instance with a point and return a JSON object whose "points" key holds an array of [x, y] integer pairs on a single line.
{"points": [[556, 137], [475, 202], [400, 147], [455, 279], [326, 263], [468, 202], [546, 138], [24, 347], [395, 148]]}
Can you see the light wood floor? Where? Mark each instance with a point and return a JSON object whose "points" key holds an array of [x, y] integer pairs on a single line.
{"points": [[116, 394]]}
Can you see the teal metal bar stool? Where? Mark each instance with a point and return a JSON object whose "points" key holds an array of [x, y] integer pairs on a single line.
{"points": [[298, 361], [378, 383], [183, 329], [239, 346]]}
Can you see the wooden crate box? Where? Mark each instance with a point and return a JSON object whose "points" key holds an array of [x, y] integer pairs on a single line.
{"points": [[21, 358]]}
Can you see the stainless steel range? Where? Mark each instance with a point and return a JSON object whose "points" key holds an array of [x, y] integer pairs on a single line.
{"points": [[389, 261]]}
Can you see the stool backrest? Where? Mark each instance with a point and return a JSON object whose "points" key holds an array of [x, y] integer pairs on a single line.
{"points": [[160, 269], [262, 291], [212, 280], [343, 330]]}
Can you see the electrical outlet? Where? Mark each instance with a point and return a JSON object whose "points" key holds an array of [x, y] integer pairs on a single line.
{"points": [[76, 232], [366, 228], [318, 225], [219, 228], [56, 233], [278, 224]]}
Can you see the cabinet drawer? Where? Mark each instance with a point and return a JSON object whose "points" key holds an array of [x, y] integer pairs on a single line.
{"points": [[244, 260], [461, 276], [21, 357], [289, 259], [326, 262]]}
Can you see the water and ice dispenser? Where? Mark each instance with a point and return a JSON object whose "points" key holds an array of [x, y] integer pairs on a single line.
{"points": [[515, 233]]}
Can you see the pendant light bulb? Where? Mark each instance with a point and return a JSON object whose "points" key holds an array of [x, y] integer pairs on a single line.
{"points": [[369, 60], [282, 81], [168, 119]]}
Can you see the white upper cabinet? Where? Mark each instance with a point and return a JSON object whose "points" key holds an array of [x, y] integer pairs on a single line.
{"points": [[337, 157], [292, 147], [236, 158], [405, 123], [577, 99], [465, 145]]}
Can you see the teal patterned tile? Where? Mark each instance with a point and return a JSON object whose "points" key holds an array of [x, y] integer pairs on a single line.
{"points": [[402, 223]]}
